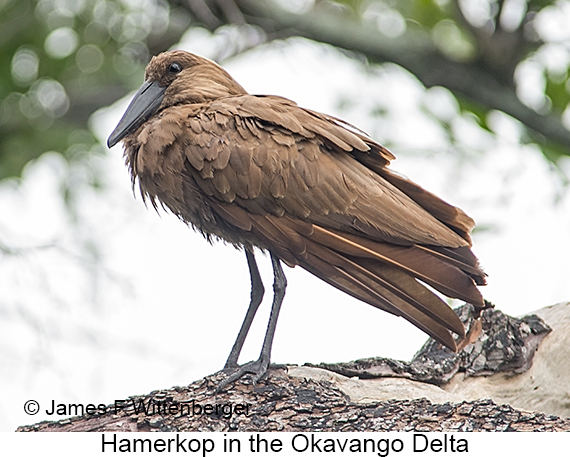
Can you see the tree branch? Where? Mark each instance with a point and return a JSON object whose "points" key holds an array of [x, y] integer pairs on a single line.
{"points": [[293, 404], [401, 397], [415, 52]]}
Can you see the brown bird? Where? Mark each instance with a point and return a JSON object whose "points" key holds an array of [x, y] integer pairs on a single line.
{"points": [[261, 172]]}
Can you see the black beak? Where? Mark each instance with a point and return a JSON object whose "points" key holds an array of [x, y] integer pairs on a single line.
{"points": [[144, 104]]}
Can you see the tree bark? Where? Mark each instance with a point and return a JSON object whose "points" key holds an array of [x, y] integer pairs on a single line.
{"points": [[285, 403], [380, 395]]}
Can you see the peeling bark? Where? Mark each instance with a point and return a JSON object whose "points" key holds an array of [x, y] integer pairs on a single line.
{"points": [[282, 403], [295, 403], [506, 345]]}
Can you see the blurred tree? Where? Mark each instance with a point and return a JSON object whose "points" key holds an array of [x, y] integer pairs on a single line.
{"points": [[474, 48], [61, 60]]}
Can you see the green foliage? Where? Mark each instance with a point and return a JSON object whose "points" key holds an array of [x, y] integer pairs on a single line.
{"points": [[62, 59], [496, 37], [557, 92]]}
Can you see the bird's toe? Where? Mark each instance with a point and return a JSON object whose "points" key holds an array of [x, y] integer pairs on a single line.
{"points": [[257, 368]]}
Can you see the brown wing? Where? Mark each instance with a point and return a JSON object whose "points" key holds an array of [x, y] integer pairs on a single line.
{"points": [[262, 171]]}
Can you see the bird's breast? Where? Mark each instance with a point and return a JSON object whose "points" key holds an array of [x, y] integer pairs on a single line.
{"points": [[157, 158]]}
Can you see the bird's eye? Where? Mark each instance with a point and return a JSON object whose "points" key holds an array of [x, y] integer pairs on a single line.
{"points": [[175, 68]]}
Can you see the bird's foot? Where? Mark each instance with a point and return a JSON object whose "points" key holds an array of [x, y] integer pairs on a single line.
{"points": [[257, 368]]}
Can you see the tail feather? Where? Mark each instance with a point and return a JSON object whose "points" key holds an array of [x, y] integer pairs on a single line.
{"points": [[412, 291], [332, 275], [391, 277], [399, 291], [365, 286], [442, 273], [462, 258]]}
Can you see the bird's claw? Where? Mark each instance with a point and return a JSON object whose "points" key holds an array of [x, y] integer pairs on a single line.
{"points": [[257, 368]]}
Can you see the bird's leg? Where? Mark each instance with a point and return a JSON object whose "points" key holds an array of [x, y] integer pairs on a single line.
{"points": [[257, 291], [259, 367], [279, 286]]}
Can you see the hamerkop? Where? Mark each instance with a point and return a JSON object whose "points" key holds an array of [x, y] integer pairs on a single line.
{"points": [[259, 171]]}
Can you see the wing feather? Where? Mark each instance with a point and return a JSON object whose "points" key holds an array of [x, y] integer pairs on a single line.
{"points": [[372, 289], [316, 193]]}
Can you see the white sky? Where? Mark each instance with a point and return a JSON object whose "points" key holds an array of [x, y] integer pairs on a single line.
{"points": [[166, 307]]}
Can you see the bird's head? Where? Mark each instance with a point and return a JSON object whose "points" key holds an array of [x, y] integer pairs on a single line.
{"points": [[174, 78]]}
